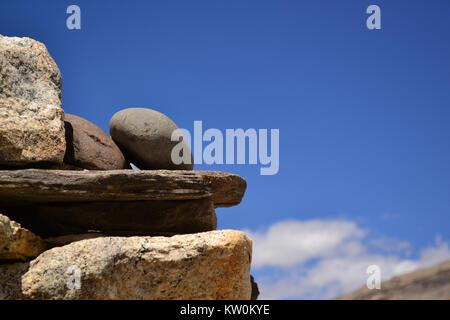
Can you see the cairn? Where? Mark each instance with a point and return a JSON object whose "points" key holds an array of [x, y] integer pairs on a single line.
{"points": [[76, 222]]}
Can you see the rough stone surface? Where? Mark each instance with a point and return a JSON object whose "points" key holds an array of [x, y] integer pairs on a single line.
{"points": [[56, 186], [10, 280], [144, 135], [210, 265], [89, 147], [432, 283], [117, 218], [31, 117], [17, 243]]}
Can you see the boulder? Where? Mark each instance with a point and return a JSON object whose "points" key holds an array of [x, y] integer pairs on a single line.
{"points": [[89, 147], [17, 243], [31, 117], [210, 265], [144, 135]]}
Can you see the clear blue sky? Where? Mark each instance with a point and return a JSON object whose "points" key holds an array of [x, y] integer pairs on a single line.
{"points": [[363, 115]]}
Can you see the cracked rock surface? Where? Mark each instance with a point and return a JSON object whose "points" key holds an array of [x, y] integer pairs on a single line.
{"points": [[17, 243], [31, 117], [209, 265]]}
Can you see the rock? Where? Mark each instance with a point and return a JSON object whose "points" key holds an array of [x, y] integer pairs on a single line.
{"points": [[89, 147], [431, 283], [210, 265], [161, 202], [117, 217], [144, 135], [60, 186], [17, 243], [60, 241], [31, 117], [11, 280], [255, 289]]}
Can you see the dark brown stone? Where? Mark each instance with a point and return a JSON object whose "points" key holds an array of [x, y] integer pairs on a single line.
{"points": [[255, 289], [117, 202], [60, 241], [89, 147], [116, 218]]}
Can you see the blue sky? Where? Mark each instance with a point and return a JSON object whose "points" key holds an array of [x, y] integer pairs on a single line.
{"points": [[363, 114]]}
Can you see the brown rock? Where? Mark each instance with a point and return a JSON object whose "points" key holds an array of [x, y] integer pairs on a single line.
{"points": [[52, 186], [117, 218], [255, 289], [89, 147], [17, 243], [31, 124], [61, 241], [58, 202]]}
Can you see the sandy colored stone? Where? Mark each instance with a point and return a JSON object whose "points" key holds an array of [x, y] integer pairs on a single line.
{"points": [[31, 117], [17, 243], [210, 265]]}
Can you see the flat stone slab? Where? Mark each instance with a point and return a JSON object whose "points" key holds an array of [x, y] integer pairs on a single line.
{"points": [[53, 203], [51, 186]]}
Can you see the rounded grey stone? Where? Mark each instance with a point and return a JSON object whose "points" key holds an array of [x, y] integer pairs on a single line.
{"points": [[144, 136]]}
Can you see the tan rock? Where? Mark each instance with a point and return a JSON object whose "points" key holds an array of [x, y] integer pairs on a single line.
{"points": [[31, 117], [210, 265], [17, 243]]}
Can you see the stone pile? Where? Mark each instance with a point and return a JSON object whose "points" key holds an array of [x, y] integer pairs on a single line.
{"points": [[77, 223]]}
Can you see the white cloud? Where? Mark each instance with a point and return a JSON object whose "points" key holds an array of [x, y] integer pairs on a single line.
{"points": [[321, 259], [390, 245], [289, 243]]}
